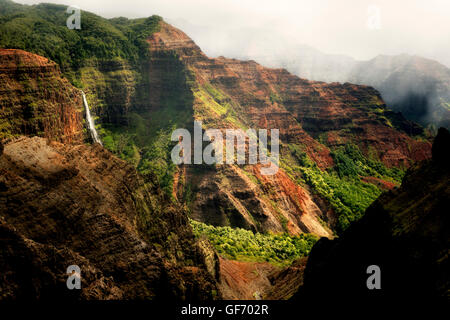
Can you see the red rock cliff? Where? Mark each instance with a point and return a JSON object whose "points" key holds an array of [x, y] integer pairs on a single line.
{"points": [[303, 110], [318, 116], [65, 205], [36, 100]]}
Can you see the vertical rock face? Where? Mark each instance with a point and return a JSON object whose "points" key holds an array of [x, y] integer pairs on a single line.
{"points": [[65, 205], [111, 87], [36, 100], [228, 195]]}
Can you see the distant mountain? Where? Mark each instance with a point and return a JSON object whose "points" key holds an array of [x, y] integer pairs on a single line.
{"points": [[417, 87], [305, 62]]}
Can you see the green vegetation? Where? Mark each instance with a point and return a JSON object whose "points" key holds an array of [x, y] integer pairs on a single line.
{"points": [[244, 245], [274, 97], [42, 29], [216, 108], [148, 153], [107, 59], [341, 186], [349, 161]]}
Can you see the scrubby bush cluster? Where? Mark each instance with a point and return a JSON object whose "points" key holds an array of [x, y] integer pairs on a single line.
{"points": [[241, 244], [341, 185]]}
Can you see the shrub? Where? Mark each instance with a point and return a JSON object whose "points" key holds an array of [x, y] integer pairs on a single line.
{"points": [[241, 244]]}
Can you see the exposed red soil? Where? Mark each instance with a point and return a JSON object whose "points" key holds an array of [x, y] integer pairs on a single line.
{"points": [[383, 184], [259, 280], [302, 109]]}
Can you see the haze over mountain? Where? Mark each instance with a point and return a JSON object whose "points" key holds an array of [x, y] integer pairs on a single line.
{"points": [[219, 27], [313, 42], [410, 83], [141, 226], [416, 86]]}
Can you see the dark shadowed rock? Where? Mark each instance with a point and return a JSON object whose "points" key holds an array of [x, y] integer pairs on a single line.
{"points": [[63, 205], [405, 232], [441, 149]]}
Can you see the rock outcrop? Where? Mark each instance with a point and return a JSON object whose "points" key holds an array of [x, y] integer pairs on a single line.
{"points": [[35, 99], [63, 205]]}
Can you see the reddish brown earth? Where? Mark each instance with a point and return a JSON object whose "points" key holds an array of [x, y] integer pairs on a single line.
{"points": [[259, 280], [244, 280], [305, 109], [382, 184], [36, 100], [65, 205], [303, 212]]}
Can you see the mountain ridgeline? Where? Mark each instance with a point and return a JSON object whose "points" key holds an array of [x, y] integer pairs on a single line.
{"points": [[415, 86], [341, 148]]}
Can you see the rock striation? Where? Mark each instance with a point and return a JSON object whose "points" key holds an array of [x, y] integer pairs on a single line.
{"points": [[35, 99], [63, 205], [318, 116]]}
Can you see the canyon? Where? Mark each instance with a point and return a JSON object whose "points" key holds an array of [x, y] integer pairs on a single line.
{"points": [[125, 213], [228, 93]]}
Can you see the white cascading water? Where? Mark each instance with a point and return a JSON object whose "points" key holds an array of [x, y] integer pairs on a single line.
{"points": [[90, 121]]}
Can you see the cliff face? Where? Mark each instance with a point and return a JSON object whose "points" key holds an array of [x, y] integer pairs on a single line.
{"points": [[404, 232], [316, 116], [415, 86], [65, 205], [36, 100], [303, 110], [111, 87]]}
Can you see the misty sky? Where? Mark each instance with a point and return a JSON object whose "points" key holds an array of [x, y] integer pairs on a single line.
{"points": [[224, 27]]}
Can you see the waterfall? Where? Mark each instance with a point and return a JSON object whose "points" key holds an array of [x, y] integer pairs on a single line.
{"points": [[90, 121]]}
